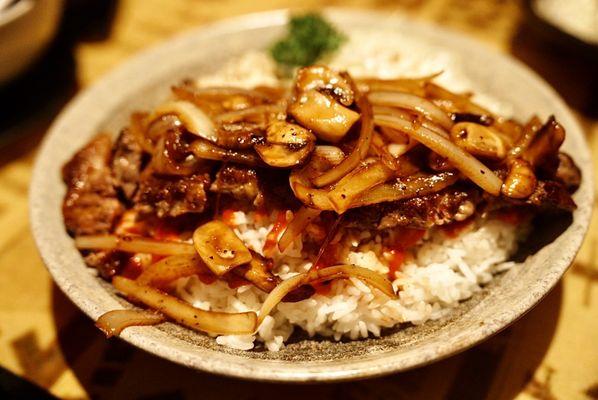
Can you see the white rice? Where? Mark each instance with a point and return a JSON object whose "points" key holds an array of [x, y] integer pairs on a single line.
{"points": [[442, 272]]}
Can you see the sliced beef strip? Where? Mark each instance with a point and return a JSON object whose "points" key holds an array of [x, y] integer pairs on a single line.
{"points": [[551, 196], [239, 181], [451, 204], [108, 263], [127, 160], [568, 173], [455, 204], [172, 154], [436, 209], [548, 197], [172, 196], [91, 205]]}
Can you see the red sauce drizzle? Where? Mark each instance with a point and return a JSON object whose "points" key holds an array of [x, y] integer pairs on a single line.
{"points": [[404, 239], [408, 237], [396, 262], [328, 257], [277, 228], [228, 217]]}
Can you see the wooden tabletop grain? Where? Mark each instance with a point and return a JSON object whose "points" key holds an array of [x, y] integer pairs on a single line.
{"points": [[551, 353]]}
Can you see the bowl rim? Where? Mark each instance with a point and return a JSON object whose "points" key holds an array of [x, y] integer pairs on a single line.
{"points": [[268, 370]]}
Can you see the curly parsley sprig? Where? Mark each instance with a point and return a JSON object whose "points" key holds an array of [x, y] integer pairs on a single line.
{"points": [[309, 38]]}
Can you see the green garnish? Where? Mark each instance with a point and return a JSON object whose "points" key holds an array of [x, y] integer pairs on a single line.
{"points": [[309, 38]]}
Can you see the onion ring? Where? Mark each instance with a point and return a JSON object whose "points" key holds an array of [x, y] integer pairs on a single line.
{"points": [[113, 322], [405, 188], [220, 323], [133, 244], [414, 103], [300, 220], [470, 166], [343, 271]]}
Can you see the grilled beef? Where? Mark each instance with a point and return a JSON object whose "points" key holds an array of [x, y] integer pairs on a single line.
{"points": [[551, 196], [126, 164], [108, 263], [568, 173], [91, 205], [455, 204], [171, 196], [239, 181], [451, 204]]}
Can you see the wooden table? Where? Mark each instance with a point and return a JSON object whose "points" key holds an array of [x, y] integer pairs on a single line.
{"points": [[550, 353]]}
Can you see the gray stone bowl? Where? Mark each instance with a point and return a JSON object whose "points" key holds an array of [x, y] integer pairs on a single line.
{"points": [[145, 79]]}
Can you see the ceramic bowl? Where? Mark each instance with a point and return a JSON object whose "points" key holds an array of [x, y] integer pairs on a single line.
{"points": [[146, 78]]}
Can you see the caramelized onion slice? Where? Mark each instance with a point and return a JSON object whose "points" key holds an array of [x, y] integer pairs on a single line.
{"points": [[403, 114], [208, 151], [379, 148], [465, 162], [409, 85], [219, 247], [240, 115], [218, 100], [368, 276], [300, 220], [358, 182], [162, 162], [299, 181], [133, 244], [331, 153], [545, 145], [413, 103], [189, 91], [529, 132], [194, 119], [185, 314], [172, 268], [361, 148], [395, 136], [113, 322], [453, 101], [138, 128], [405, 188], [311, 197]]}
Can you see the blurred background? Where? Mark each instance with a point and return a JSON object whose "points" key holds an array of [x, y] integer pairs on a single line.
{"points": [[52, 49]]}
